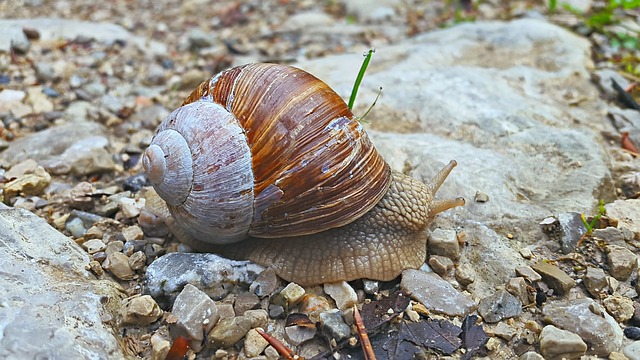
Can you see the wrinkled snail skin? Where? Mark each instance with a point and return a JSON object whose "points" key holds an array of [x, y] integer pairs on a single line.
{"points": [[266, 163]]}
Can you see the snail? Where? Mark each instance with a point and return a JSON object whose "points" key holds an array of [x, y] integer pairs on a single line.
{"points": [[266, 162]]}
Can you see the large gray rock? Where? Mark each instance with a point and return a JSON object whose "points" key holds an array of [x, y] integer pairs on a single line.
{"points": [[49, 144], [436, 294], [513, 103], [51, 307], [214, 275], [587, 319], [51, 29]]}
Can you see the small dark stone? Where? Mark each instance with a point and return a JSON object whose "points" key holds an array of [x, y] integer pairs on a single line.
{"points": [[333, 325], [50, 92], [167, 64], [499, 306], [135, 183], [52, 115], [4, 79], [276, 311], [632, 333], [541, 297], [572, 228]]}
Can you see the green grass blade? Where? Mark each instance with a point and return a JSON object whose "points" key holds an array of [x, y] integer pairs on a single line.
{"points": [[356, 85]]}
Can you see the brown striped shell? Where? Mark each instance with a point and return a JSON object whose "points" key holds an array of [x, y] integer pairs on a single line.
{"points": [[264, 150]]}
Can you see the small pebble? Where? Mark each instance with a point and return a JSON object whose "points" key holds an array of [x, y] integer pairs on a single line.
{"points": [[265, 284], [342, 293], [412, 314], [531, 355], [225, 310], [558, 343], [481, 197], [271, 353], [595, 281], [140, 310], [28, 184], [620, 307], [95, 268], [436, 294], [94, 245], [296, 335], [276, 312], [465, 274], [131, 207], [258, 317], [76, 227], [133, 232], [444, 242], [254, 344], [94, 232], [632, 332], [505, 331], [632, 351], [135, 183], [119, 266], [518, 287], [570, 231], [196, 315], [622, 262], [245, 301], [526, 253], [333, 325], [159, 347], [292, 293], [440, 264], [528, 273], [370, 286], [137, 260], [499, 306], [229, 331], [557, 279], [313, 305]]}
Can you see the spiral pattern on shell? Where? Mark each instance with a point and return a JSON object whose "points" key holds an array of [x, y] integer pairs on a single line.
{"points": [[264, 150]]}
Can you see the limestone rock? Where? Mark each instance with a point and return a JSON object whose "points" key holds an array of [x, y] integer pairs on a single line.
{"points": [[229, 331], [561, 344], [499, 306], [53, 298], [140, 310], [342, 293], [196, 315], [214, 275], [436, 294], [627, 213], [557, 279], [444, 242], [587, 319], [595, 281], [622, 262]]}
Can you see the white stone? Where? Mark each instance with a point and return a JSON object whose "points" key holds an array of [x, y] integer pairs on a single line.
{"points": [[342, 293], [555, 342]]}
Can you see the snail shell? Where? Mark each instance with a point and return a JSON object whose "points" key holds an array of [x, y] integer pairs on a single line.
{"points": [[264, 150]]}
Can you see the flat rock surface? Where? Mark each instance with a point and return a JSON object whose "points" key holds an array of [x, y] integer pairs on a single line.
{"points": [[494, 97], [46, 293]]}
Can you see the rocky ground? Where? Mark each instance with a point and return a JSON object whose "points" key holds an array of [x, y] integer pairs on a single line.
{"points": [[521, 98]]}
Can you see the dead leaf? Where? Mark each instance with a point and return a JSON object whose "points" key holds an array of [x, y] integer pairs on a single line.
{"points": [[378, 312], [473, 336]]}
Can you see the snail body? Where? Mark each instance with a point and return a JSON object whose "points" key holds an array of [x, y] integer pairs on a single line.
{"points": [[265, 162]]}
